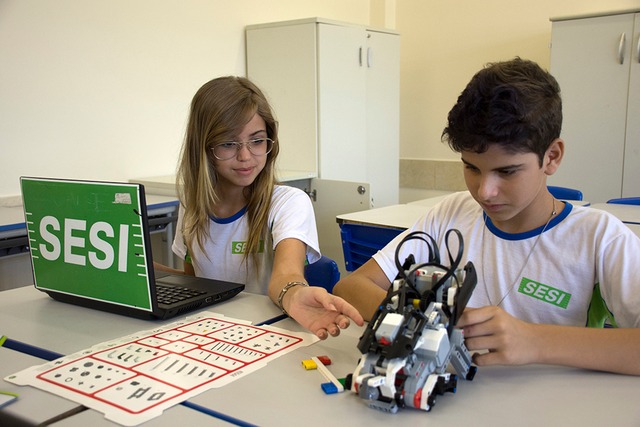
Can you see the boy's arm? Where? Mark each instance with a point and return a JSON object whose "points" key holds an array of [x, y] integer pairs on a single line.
{"points": [[511, 341], [365, 288]]}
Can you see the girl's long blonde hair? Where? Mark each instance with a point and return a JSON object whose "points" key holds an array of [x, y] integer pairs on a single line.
{"points": [[219, 111]]}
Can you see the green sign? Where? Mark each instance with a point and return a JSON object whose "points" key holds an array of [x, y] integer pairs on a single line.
{"points": [[544, 293], [86, 238]]}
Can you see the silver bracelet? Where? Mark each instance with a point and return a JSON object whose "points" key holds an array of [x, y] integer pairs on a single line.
{"points": [[284, 291]]}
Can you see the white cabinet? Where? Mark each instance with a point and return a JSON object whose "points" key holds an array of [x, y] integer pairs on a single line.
{"points": [[596, 60], [335, 91]]}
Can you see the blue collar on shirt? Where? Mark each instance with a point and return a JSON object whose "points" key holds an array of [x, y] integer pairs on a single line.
{"points": [[528, 234], [230, 219]]}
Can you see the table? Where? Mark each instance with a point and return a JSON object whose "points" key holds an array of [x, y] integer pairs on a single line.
{"points": [[498, 396], [21, 410], [166, 184], [394, 216], [404, 216], [629, 214], [30, 316], [283, 393], [365, 232], [51, 407]]}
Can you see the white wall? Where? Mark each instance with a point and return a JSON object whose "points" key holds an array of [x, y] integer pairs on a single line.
{"points": [[445, 42], [100, 89]]}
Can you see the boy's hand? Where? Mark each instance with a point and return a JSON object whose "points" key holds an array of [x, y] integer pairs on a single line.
{"points": [[509, 341]]}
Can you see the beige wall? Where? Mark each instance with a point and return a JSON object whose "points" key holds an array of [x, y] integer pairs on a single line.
{"points": [[100, 88], [444, 42]]}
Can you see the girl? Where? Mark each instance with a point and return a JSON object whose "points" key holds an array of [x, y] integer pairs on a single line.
{"points": [[235, 222]]}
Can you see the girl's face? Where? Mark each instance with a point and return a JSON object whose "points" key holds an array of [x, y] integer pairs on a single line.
{"points": [[241, 170]]}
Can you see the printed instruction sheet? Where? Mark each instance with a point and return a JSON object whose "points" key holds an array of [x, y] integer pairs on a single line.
{"points": [[135, 378]]}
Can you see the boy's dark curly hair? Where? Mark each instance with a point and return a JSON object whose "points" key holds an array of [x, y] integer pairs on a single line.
{"points": [[515, 104]]}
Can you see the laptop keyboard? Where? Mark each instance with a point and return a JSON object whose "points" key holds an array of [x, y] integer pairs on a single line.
{"points": [[172, 294]]}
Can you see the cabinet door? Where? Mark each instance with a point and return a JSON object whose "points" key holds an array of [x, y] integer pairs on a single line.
{"points": [[330, 199], [383, 118], [631, 176], [341, 103], [281, 60], [594, 87]]}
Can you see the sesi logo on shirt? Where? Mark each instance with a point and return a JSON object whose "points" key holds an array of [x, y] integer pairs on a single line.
{"points": [[544, 293], [239, 248]]}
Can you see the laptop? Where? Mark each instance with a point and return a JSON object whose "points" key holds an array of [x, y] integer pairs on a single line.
{"points": [[90, 246]]}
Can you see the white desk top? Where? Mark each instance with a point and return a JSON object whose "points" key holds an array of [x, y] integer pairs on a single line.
{"points": [[166, 184], [176, 416], [431, 201], [49, 405], [635, 228], [283, 393], [397, 216], [32, 317], [626, 213], [405, 215], [498, 396]]}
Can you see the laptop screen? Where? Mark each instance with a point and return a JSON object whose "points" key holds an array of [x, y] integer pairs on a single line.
{"points": [[87, 239]]}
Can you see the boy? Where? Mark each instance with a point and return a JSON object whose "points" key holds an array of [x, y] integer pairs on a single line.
{"points": [[546, 269]]}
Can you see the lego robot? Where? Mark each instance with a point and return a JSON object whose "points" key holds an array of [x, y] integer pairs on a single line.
{"points": [[411, 340]]}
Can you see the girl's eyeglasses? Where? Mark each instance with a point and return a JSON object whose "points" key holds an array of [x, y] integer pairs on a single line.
{"points": [[257, 147]]}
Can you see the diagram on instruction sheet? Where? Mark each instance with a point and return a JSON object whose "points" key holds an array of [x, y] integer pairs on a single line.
{"points": [[135, 378]]}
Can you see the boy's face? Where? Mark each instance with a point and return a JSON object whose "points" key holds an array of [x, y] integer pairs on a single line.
{"points": [[510, 188]]}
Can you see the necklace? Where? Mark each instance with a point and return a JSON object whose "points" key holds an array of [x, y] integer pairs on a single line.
{"points": [[526, 261]]}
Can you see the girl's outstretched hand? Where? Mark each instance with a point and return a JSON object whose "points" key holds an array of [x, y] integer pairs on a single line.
{"points": [[320, 312]]}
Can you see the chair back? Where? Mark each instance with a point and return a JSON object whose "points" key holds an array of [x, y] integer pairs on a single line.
{"points": [[324, 273], [625, 201], [565, 193], [360, 242]]}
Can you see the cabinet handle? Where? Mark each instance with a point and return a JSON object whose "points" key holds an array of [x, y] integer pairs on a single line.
{"points": [[638, 50], [623, 38], [369, 57], [360, 56]]}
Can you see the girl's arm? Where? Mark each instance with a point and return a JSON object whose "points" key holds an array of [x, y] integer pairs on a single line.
{"points": [[313, 307]]}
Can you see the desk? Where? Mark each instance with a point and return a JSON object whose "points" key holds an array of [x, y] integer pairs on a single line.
{"points": [[394, 216], [403, 216], [22, 409], [431, 201], [283, 393], [498, 396], [13, 232], [629, 214], [635, 228], [32, 317], [166, 184], [37, 407]]}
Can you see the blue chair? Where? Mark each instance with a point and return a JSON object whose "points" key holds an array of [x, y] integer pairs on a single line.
{"points": [[564, 193], [625, 201], [323, 273], [360, 242]]}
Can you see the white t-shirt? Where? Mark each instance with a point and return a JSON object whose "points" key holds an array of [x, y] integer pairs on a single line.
{"points": [[581, 252], [290, 216]]}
